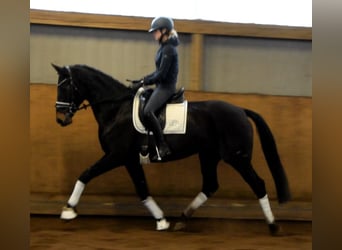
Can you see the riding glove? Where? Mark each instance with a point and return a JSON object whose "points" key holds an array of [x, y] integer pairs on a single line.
{"points": [[137, 84]]}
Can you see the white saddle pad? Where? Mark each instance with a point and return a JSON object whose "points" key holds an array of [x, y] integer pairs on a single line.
{"points": [[176, 114]]}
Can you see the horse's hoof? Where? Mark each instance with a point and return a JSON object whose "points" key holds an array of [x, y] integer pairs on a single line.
{"points": [[275, 229], [162, 225], [179, 226], [68, 213]]}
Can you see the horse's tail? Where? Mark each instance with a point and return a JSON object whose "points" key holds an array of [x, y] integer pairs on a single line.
{"points": [[272, 157]]}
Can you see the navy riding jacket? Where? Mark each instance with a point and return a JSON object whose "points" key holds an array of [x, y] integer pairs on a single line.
{"points": [[166, 65]]}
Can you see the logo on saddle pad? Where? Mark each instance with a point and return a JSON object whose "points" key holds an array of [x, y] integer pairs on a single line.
{"points": [[173, 117]]}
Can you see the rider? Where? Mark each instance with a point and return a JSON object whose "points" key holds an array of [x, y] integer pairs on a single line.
{"points": [[164, 77]]}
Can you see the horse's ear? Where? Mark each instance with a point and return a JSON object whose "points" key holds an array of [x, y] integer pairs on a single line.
{"points": [[57, 68]]}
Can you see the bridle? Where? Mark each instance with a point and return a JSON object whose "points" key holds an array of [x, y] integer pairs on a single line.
{"points": [[70, 106]]}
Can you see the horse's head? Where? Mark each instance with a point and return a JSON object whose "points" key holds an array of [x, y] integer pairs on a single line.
{"points": [[68, 96]]}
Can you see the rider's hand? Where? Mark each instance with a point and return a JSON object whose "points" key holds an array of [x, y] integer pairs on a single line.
{"points": [[136, 84], [141, 81]]}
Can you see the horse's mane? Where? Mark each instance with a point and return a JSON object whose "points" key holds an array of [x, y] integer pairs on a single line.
{"points": [[105, 77]]}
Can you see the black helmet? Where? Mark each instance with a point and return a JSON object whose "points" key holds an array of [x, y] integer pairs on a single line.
{"points": [[160, 23]]}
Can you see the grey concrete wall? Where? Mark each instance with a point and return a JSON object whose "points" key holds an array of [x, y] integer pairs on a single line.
{"points": [[231, 64], [122, 54], [255, 65]]}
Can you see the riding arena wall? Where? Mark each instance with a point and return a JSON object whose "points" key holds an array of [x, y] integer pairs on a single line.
{"points": [[263, 68]]}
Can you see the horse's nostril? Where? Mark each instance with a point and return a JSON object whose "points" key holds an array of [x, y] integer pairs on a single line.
{"points": [[64, 122], [59, 120]]}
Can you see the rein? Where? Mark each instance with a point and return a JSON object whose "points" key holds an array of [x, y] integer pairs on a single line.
{"points": [[122, 98], [72, 107]]}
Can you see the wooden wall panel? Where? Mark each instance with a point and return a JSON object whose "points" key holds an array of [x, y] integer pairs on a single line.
{"points": [[60, 154]]}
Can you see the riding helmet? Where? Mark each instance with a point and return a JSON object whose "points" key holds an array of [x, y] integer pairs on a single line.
{"points": [[160, 23]]}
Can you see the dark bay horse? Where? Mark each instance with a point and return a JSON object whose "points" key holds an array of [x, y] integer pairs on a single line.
{"points": [[215, 130]]}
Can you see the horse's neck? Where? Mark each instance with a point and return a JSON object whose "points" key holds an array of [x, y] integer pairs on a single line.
{"points": [[105, 95], [105, 113], [106, 103]]}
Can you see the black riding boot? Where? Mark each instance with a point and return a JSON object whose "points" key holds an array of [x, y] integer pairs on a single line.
{"points": [[154, 125]]}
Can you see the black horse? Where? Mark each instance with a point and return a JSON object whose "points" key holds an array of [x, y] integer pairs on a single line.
{"points": [[215, 130]]}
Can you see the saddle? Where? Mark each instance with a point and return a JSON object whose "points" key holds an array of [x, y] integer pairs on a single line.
{"points": [[172, 117], [178, 97]]}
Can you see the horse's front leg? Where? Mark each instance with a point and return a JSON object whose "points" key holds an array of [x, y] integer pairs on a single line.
{"points": [[137, 174], [105, 164]]}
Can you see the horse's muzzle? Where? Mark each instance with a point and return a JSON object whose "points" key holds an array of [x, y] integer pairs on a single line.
{"points": [[63, 119]]}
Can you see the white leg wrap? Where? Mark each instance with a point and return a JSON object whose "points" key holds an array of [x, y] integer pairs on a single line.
{"points": [[162, 224], [68, 213], [266, 208], [196, 203], [154, 209], [76, 193]]}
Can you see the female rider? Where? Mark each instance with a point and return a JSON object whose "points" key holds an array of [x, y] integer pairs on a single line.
{"points": [[164, 77]]}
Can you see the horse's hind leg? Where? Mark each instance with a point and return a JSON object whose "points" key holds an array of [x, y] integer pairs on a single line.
{"points": [[246, 170], [209, 187], [209, 182], [103, 165]]}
